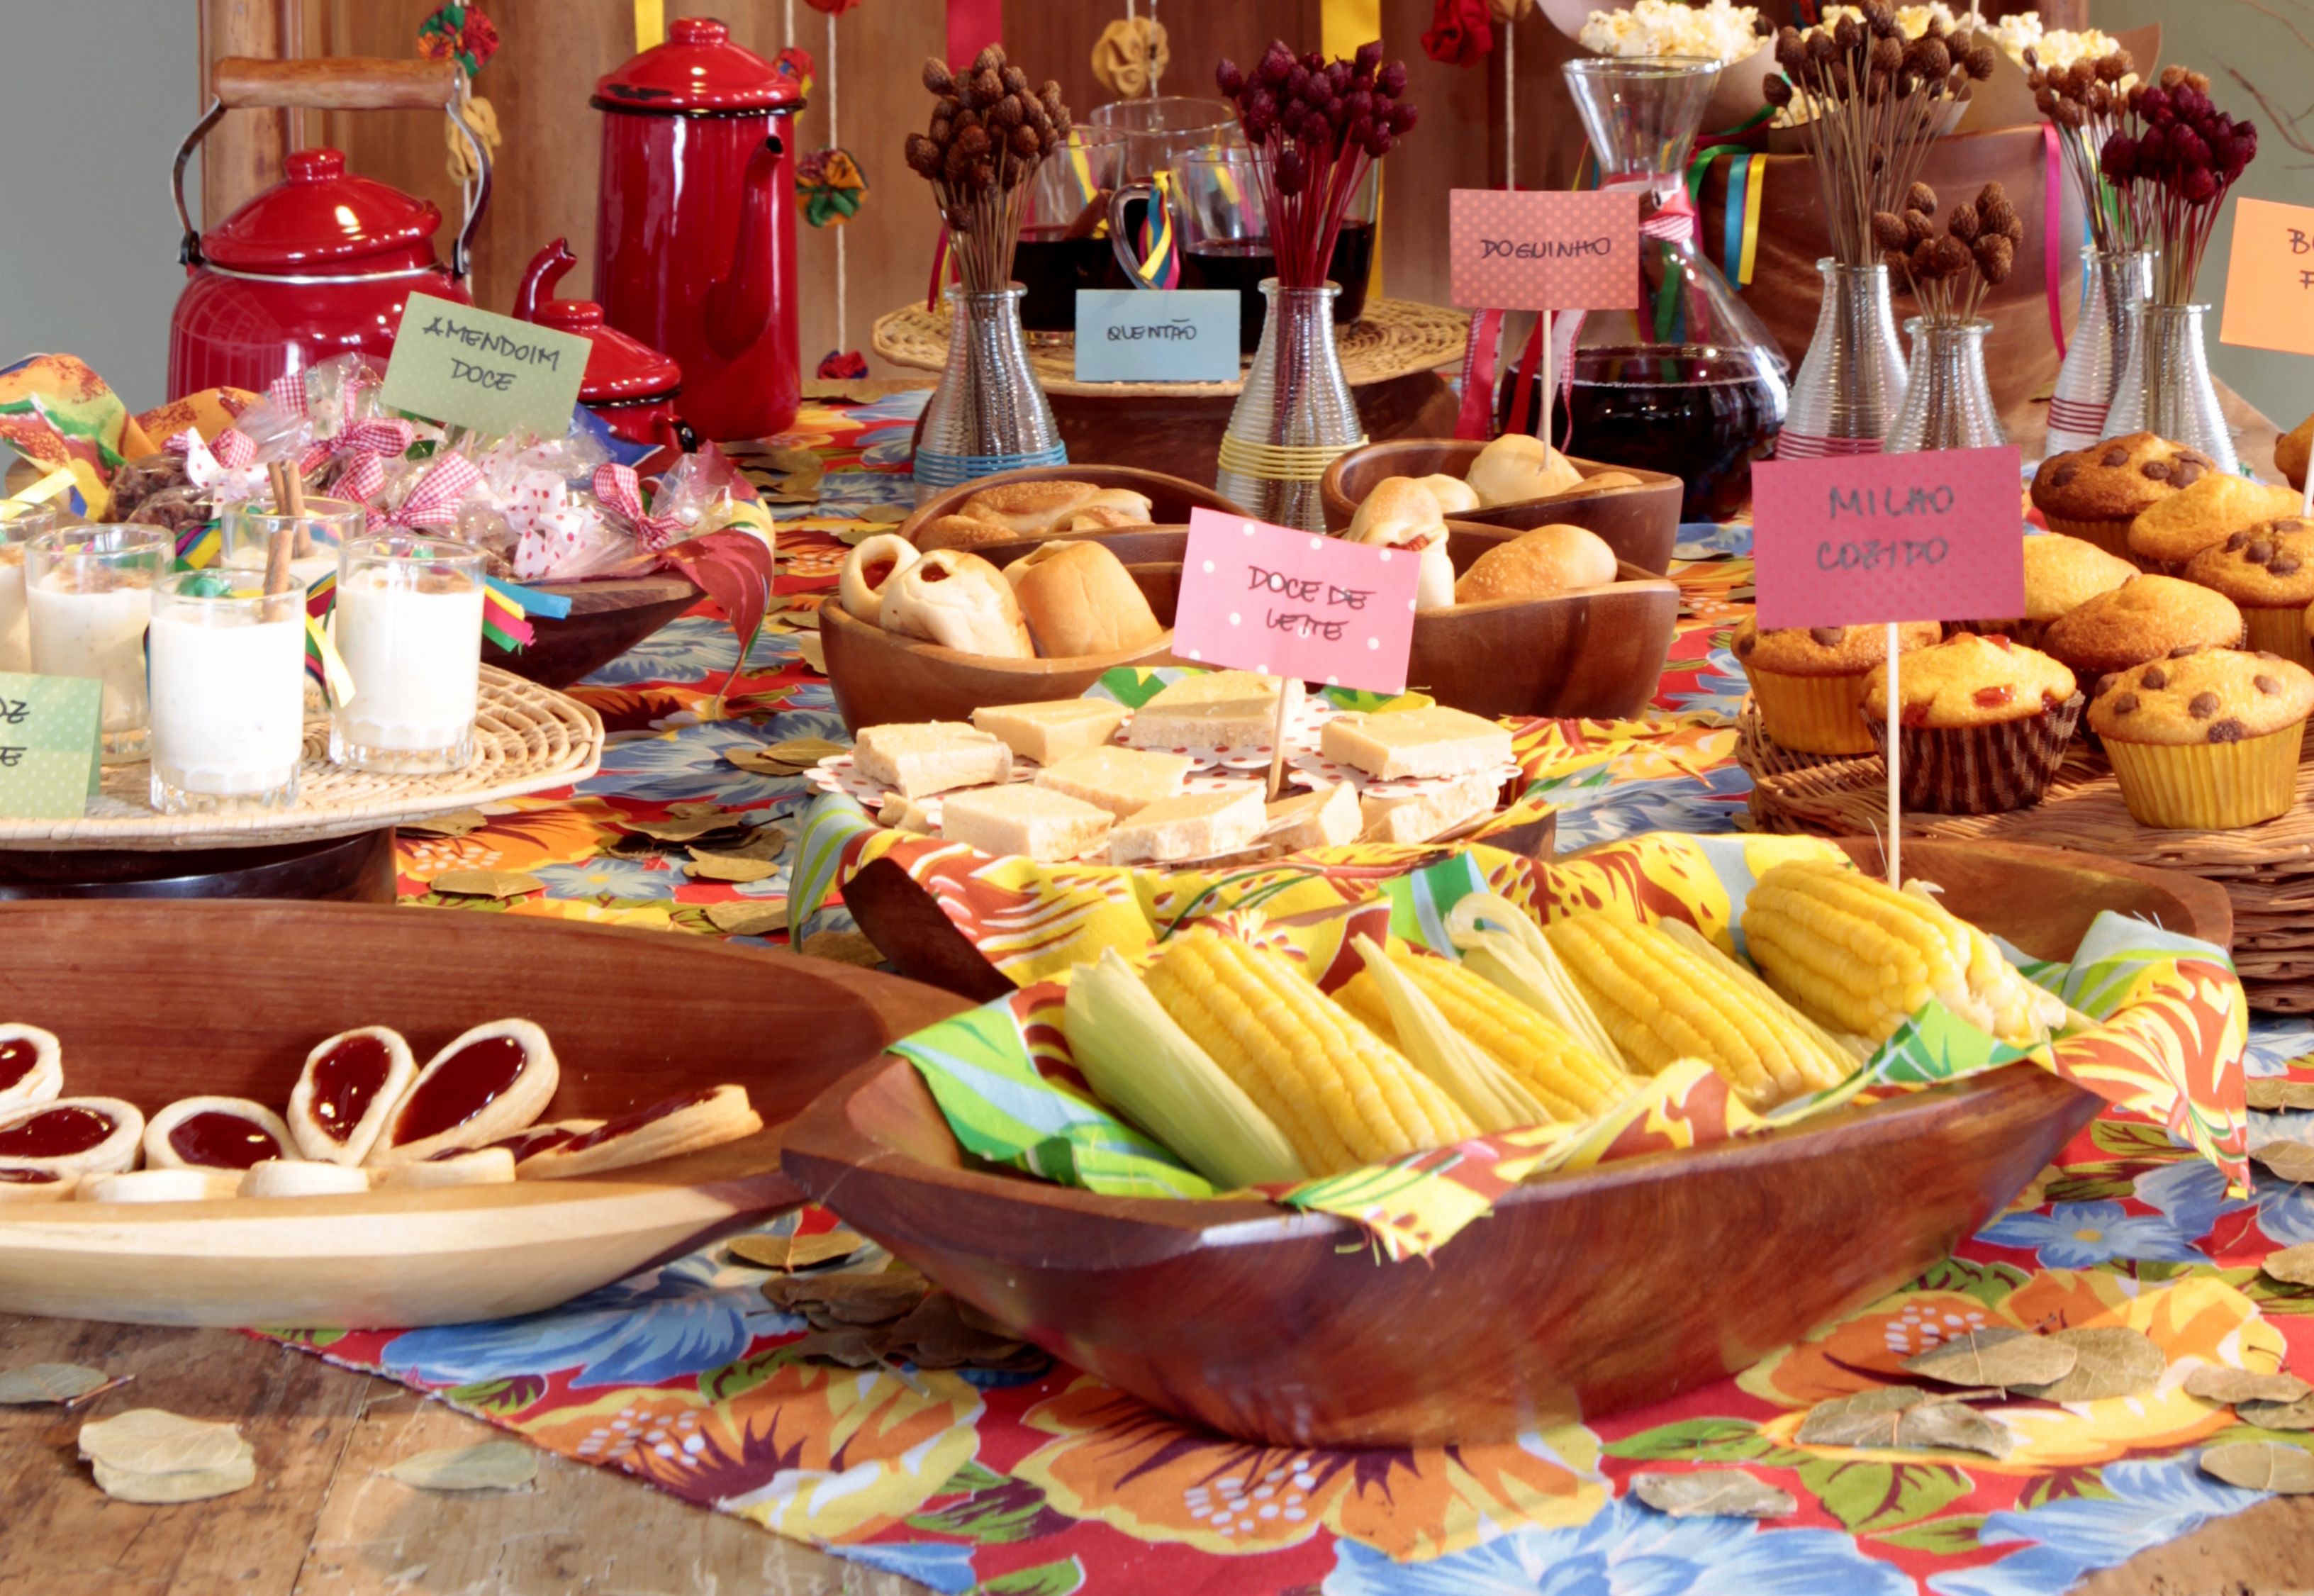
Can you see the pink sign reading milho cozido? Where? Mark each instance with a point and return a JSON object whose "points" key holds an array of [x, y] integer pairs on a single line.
{"points": [[1860, 539], [1256, 597]]}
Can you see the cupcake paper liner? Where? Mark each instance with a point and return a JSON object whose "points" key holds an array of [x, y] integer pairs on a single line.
{"points": [[2111, 536], [2280, 631], [2208, 786], [1813, 714], [1981, 769]]}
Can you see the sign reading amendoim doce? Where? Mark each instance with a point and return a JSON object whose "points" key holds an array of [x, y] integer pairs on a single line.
{"points": [[1867, 538], [1256, 597], [1544, 248]]}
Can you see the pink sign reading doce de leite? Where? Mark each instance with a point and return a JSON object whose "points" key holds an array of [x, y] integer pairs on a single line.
{"points": [[1256, 597], [1865, 538]]}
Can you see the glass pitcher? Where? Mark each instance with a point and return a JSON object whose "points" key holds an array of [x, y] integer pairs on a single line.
{"points": [[1689, 384]]}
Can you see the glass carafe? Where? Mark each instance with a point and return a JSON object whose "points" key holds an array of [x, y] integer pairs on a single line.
{"points": [[1947, 404], [2165, 388], [2113, 283], [1691, 383]]}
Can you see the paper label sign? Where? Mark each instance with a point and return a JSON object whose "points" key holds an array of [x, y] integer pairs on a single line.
{"points": [[2270, 278], [468, 368], [1544, 249], [1129, 335], [51, 751], [1256, 597], [1868, 538]]}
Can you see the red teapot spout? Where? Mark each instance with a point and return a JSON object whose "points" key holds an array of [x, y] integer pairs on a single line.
{"points": [[540, 278], [739, 306]]}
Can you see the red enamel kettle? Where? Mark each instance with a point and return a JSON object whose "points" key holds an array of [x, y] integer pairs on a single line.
{"points": [[630, 386], [695, 230], [322, 263]]}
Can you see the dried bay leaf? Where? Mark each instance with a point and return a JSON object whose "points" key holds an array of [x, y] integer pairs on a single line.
{"points": [[487, 883], [729, 867], [855, 1346], [49, 1382], [857, 533], [2298, 1413], [1713, 1493], [2213, 1384], [184, 1485], [1868, 1418], [803, 751], [2261, 1466], [455, 824], [2292, 1265], [683, 828], [2274, 1091], [757, 841], [155, 1441], [883, 515], [813, 651], [695, 807], [749, 917], [935, 1335], [854, 1299], [485, 1466], [2292, 1161], [845, 947], [1996, 1357], [806, 619], [794, 1252], [1950, 1426], [2114, 1362]]}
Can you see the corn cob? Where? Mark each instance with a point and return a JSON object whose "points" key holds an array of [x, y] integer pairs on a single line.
{"points": [[1664, 1002], [1341, 1095], [1482, 1089], [1836, 1056], [1860, 956], [1131, 1053], [1566, 1078], [1518, 962]]}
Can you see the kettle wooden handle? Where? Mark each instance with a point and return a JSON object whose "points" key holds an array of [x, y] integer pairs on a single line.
{"points": [[334, 82]]}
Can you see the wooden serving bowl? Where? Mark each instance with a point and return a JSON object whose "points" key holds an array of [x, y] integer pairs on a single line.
{"points": [[635, 1017], [606, 619], [1170, 497], [1640, 524], [1584, 1291], [879, 676]]}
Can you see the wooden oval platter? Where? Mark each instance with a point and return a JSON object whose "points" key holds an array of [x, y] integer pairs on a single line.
{"points": [[1585, 1293], [1640, 524], [880, 676], [227, 998], [606, 619], [1170, 497]]}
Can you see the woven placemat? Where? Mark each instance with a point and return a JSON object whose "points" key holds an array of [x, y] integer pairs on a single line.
{"points": [[526, 738], [2266, 870], [1396, 338]]}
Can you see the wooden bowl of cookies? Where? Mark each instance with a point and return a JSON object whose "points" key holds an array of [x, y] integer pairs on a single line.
{"points": [[1639, 518], [1056, 501]]}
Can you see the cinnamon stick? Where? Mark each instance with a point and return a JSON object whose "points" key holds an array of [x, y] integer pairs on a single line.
{"points": [[278, 578], [293, 477]]}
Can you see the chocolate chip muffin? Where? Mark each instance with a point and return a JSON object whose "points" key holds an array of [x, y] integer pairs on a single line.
{"points": [[2095, 493], [2164, 537], [1809, 682], [2268, 572], [2208, 740], [2141, 620], [1983, 726]]}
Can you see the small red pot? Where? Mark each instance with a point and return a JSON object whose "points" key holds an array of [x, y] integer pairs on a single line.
{"points": [[630, 386]]}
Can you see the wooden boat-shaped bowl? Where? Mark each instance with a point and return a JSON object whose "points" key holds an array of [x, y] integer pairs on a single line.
{"points": [[1170, 497], [606, 619], [1640, 524], [1585, 1293], [635, 1017]]}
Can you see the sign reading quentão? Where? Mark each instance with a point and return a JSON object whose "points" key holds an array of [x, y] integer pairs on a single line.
{"points": [[1125, 335]]}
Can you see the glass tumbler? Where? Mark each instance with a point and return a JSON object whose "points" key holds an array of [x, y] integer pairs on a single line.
{"points": [[245, 531], [88, 597], [229, 692], [409, 624], [20, 524]]}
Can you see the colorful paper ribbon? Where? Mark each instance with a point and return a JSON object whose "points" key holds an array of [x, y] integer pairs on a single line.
{"points": [[1158, 262], [620, 490], [972, 23], [2052, 221], [324, 664], [507, 609], [199, 546]]}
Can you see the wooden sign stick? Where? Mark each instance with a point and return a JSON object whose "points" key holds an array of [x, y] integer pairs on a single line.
{"points": [[1277, 747], [1894, 741], [1544, 430]]}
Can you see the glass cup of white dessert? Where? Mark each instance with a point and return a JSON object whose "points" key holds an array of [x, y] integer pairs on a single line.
{"points": [[20, 524], [228, 689], [88, 594], [245, 533], [409, 623]]}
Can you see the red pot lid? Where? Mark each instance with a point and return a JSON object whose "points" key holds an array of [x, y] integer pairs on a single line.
{"points": [[320, 216], [620, 368], [698, 69]]}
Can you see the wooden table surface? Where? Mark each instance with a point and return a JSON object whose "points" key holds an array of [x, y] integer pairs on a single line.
{"points": [[322, 1519]]}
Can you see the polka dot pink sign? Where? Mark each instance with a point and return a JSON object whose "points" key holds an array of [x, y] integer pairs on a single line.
{"points": [[1545, 249], [1256, 597]]}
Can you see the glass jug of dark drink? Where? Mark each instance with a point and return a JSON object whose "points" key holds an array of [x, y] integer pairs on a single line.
{"points": [[1065, 237]]}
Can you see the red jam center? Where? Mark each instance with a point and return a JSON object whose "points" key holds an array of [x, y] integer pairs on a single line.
{"points": [[28, 1177], [215, 1139], [346, 1080], [611, 1131], [18, 1059], [536, 1138], [466, 1082], [877, 574], [56, 1133]]}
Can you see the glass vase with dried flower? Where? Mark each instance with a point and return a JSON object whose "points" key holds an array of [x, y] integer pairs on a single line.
{"points": [[989, 132], [1947, 402], [2171, 163], [1866, 102], [1316, 127]]}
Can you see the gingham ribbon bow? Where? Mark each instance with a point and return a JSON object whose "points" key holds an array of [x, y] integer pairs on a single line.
{"points": [[370, 442], [1674, 221], [225, 470], [620, 490], [433, 500]]}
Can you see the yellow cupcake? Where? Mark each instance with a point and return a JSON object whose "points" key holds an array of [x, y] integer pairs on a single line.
{"points": [[2208, 740], [2172, 532], [1809, 682]]}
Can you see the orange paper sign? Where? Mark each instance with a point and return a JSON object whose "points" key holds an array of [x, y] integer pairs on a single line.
{"points": [[2270, 278]]}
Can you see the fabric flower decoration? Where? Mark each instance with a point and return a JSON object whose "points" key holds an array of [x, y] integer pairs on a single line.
{"points": [[551, 526], [459, 32], [1459, 33], [831, 186], [843, 365], [1130, 55], [796, 64]]}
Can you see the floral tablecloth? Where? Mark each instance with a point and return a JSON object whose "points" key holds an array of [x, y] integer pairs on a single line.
{"points": [[1044, 1483]]}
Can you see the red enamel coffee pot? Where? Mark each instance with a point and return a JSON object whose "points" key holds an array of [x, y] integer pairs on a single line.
{"points": [[630, 386], [322, 263], [695, 233]]}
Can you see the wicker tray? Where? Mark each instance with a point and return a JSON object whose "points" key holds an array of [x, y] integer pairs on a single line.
{"points": [[1395, 337], [2266, 870], [526, 738]]}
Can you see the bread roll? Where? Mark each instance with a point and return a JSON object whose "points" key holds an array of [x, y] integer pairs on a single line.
{"points": [[958, 601], [1454, 496], [1077, 599], [868, 570], [1515, 468], [962, 531], [1028, 507], [1602, 481], [1549, 559], [1111, 506], [1401, 513]]}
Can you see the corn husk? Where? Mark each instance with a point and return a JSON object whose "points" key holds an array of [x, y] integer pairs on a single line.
{"points": [[1490, 1095], [1522, 964]]}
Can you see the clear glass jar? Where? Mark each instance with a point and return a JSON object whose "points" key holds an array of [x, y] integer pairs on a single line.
{"points": [[2114, 282], [2165, 388], [20, 524], [409, 624], [228, 692], [88, 597], [1947, 404], [989, 413], [1294, 416], [245, 536], [1853, 377]]}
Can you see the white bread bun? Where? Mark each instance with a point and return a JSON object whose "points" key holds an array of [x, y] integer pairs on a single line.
{"points": [[1549, 559], [1109, 507], [1030, 506], [1079, 599], [171, 1184], [1454, 496], [1401, 513], [301, 1178], [958, 601], [1515, 468], [868, 570]]}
